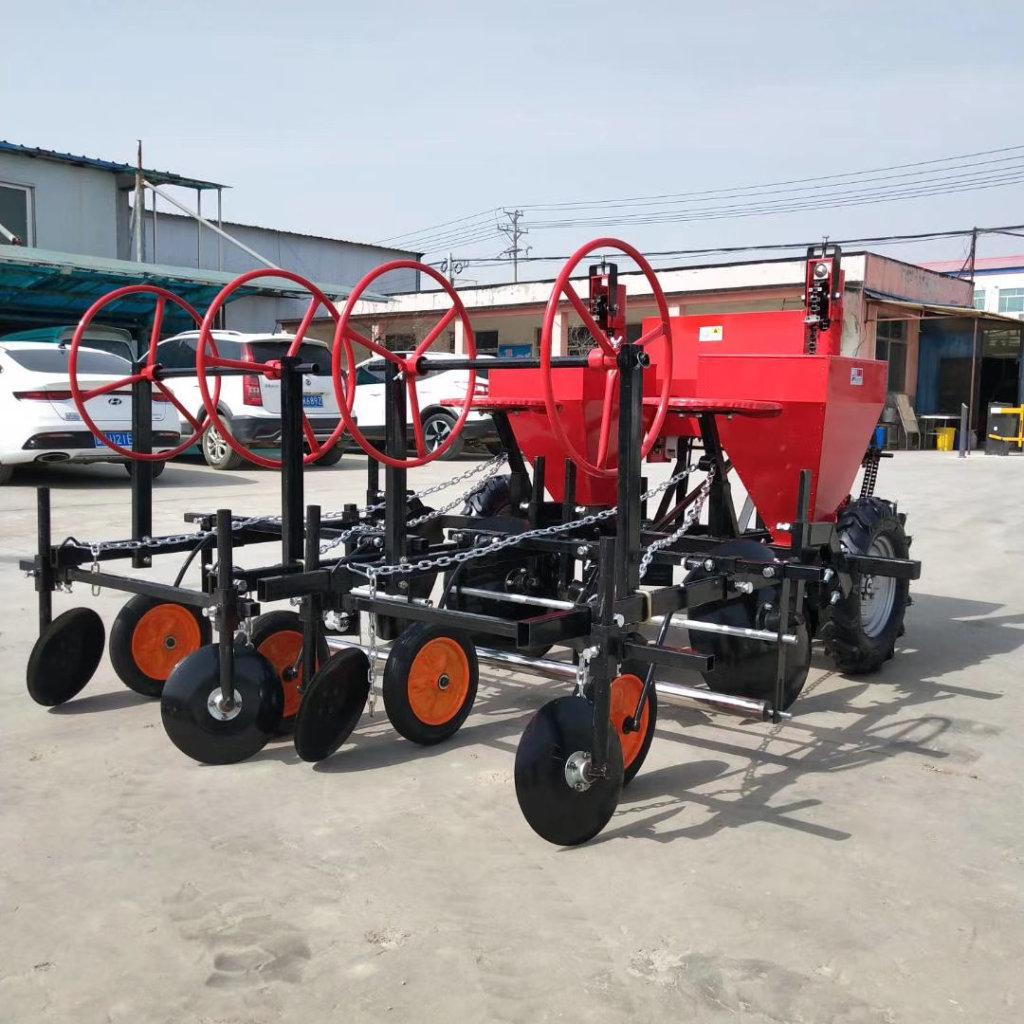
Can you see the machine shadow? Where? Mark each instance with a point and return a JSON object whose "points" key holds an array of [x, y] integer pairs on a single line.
{"points": [[875, 727]]}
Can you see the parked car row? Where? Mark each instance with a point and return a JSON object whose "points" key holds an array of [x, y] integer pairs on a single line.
{"points": [[41, 423]]}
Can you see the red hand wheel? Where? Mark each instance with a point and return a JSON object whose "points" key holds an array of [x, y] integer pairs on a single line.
{"points": [[207, 358], [603, 358], [345, 334], [148, 372]]}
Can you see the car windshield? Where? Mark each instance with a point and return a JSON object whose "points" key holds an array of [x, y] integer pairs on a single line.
{"points": [[365, 376], [307, 353], [55, 360]]}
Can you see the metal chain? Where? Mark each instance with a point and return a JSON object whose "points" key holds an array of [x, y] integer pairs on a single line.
{"points": [[692, 515], [371, 648], [496, 544]]}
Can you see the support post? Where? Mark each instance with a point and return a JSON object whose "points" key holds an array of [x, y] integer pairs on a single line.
{"points": [[142, 470], [601, 667], [44, 567], [721, 510], [965, 428], [312, 605], [227, 609], [291, 460], [395, 500], [631, 428]]}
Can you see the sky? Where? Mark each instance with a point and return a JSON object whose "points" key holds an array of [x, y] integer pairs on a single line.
{"points": [[369, 120]]}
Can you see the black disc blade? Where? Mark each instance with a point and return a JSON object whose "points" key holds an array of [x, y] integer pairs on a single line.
{"points": [[65, 656], [553, 808], [746, 667], [332, 705], [198, 726]]}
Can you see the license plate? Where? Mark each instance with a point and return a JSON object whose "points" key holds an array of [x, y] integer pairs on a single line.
{"points": [[121, 437], [313, 401]]}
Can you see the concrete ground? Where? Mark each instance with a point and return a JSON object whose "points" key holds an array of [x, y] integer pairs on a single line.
{"points": [[862, 864]]}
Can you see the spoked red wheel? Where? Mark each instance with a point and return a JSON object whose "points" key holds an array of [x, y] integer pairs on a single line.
{"points": [[345, 334], [604, 358], [148, 371], [208, 358]]}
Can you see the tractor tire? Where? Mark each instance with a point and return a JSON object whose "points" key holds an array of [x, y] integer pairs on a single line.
{"points": [[860, 633]]}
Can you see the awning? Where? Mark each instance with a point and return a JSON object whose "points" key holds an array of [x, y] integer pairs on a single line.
{"points": [[55, 287], [925, 309]]}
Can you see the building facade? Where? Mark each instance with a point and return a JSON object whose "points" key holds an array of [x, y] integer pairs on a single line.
{"points": [[69, 231]]}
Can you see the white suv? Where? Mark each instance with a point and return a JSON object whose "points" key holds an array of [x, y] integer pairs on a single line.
{"points": [[250, 405], [438, 420]]}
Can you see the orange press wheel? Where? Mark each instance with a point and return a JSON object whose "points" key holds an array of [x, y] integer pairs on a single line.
{"points": [[626, 690], [150, 637], [278, 637], [430, 682]]}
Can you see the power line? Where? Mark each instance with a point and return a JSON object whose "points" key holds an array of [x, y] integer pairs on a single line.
{"points": [[776, 184]]}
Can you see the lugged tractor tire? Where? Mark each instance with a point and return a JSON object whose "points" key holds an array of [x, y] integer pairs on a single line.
{"points": [[860, 633]]}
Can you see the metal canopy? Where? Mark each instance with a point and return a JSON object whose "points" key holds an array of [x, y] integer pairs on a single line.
{"points": [[36, 285], [936, 309]]}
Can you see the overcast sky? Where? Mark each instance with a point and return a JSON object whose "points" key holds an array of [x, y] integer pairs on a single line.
{"points": [[363, 120]]}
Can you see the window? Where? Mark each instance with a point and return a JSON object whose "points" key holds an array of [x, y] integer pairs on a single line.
{"points": [[891, 345], [1011, 300], [16, 214], [178, 353], [487, 342], [979, 298], [54, 359]]}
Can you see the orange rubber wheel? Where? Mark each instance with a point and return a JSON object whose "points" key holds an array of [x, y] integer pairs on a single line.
{"points": [[625, 696], [150, 637], [278, 637], [430, 682]]}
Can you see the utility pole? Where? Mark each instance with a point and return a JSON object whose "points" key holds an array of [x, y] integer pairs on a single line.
{"points": [[513, 232], [452, 267], [139, 206]]}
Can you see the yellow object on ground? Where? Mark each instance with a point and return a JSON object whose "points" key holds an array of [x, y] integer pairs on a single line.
{"points": [[945, 439]]}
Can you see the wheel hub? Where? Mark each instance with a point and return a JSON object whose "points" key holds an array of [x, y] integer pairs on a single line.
{"points": [[577, 771], [222, 710], [443, 682]]}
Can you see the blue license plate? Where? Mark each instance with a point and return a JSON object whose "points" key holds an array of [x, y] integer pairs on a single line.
{"points": [[313, 401], [121, 437]]}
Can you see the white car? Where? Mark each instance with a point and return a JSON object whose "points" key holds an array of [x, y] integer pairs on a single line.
{"points": [[250, 405], [39, 421], [438, 420]]}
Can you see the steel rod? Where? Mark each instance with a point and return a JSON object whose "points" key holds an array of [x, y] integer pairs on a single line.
{"points": [[564, 670]]}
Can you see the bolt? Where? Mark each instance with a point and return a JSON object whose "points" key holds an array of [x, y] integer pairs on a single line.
{"points": [[709, 564], [784, 527], [403, 584], [240, 586], [744, 586], [581, 551], [828, 575], [768, 572], [835, 598], [619, 619]]}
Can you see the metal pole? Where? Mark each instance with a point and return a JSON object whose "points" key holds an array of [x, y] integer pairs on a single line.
{"points": [[395, 501], [220, 226], [974, 362], [227, 609], [44, 569], [142, 469], [312, 606], [291, 461], [213, 227], [154, 228], [199, 228], [139, 207]]}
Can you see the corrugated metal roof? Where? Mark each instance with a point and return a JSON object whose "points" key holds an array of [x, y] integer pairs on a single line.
{"points": [[35, 283], [112, 167], [967, 312]]}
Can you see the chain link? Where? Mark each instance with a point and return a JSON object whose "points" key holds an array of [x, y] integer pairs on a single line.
{"points": [[692, 515]]}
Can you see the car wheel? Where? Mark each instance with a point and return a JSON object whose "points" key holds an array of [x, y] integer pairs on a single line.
{"points": [[158, 468], [217, 452], [437, 428], [6, 472], [332, 458]]}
